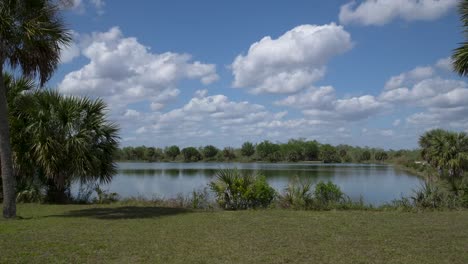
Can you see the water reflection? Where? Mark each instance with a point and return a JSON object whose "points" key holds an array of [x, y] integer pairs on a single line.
{"points": [[375, 183]]}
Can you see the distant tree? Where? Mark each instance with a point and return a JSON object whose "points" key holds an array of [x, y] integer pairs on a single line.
{"points": [[311, 150], [329, 154], [343, 152], [139, 152], [266, 148], [210, 151], [191, 154], [274, 157], [229, 153], [172, 152], [293, 150], [381, 156], [247, 149], [152, 154], [365, 155]]}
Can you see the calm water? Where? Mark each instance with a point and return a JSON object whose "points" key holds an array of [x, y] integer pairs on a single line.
{"points": [[376, 183]]}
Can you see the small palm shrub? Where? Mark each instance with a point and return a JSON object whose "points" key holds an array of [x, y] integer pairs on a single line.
{"points": [[297, 195], [234, 190], [105, 197], [200, 199], [435, 195], [324, 196], [31, 194]]}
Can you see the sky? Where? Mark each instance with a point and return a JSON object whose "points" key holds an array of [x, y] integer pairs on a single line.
{"points": [[371, 73]]}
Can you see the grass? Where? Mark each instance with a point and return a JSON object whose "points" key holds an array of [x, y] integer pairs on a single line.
{"points": [[144, 234]]}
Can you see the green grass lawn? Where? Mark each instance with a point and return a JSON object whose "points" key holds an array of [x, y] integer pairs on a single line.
{"points": [[100, 234]]}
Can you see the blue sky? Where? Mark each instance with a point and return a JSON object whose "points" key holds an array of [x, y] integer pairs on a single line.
{"points": [[373, 72]]}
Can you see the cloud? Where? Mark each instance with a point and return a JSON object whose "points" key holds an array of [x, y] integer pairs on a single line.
{"points": [[69, 52], [445, 64], [432, 92], [79, 6], [441, 102], [418, 73], [381, 12], [216, 119], [322, 103], [123, 71], [291, 62]]}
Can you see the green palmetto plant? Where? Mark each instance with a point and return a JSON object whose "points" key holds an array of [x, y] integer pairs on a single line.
{"points": [[31, 36], [235, 190], [64, 138], [71, 138], [446, 151], [298, 194], [460, 54]]}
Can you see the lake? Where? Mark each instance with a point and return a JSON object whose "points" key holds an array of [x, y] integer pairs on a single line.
{"points": [[376, 184]]}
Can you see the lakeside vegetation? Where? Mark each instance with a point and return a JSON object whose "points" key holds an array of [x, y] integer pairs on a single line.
{"points": [[295, 150]]}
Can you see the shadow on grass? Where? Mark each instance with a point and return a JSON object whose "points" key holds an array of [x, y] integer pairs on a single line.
{"points": [[127, 212]]}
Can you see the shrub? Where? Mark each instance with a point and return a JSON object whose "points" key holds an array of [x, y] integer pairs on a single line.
{"points": [[32, 194], [235, 191], [435, 195], [297, 195], [200, 199], [328, 194], [105, 197]]}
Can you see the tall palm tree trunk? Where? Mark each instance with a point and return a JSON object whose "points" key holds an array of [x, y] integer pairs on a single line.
{"points": [[9, 197]]}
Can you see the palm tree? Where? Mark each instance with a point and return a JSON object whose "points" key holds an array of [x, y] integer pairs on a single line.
{"points": [[66, 138], [446, 151], [31, 34], [460, 55]]}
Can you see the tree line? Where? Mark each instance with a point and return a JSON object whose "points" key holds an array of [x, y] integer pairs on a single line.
{"points": [[294, 150]]}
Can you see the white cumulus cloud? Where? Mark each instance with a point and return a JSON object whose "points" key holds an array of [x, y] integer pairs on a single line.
{"points": [[380, 12], [291, 62], [123, 71]]}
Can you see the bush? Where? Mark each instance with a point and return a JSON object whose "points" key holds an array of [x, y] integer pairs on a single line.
{"points": [[32, 194], [235, 191], [435, 195], [105, 197], [200, 199], [327, 195], [297, 195]]}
